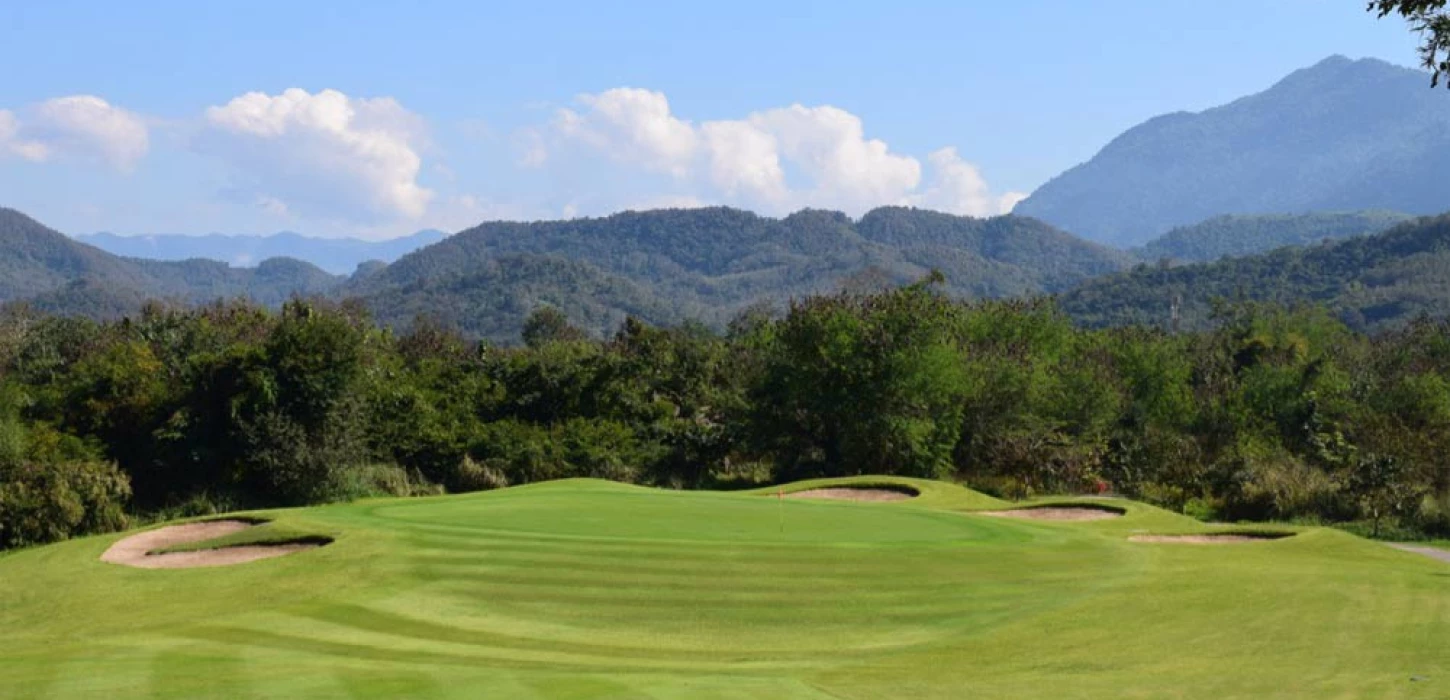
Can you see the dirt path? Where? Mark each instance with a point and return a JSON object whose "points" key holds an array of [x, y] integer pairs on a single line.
{"points": [[1064, 513], [1432, 552], [136, 549], [850, 494]]}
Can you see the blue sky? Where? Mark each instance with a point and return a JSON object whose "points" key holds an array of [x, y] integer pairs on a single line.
{"points": [[375, 119]]}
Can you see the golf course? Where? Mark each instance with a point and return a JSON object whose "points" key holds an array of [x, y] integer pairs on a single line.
{"points": [[585, 588]]}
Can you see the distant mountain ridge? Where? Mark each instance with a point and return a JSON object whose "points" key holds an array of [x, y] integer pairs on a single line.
{"points": [[663, 266], [339, 256], [708, 264], [52, 272], [1371, 282], [1235, 235], [1341, 135], [671, 266]]}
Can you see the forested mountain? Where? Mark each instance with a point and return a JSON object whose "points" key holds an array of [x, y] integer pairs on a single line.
{"points": [[1340, 136], [1370, 282], [1234, 235], [339, 256], [708, 264], [492, 297], [54, 273]]}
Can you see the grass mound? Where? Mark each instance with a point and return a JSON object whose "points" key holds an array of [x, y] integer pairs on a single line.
{"points": [[583, 588]]}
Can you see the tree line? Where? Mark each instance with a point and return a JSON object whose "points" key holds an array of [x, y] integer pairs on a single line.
{"points": [[1273, 413]]}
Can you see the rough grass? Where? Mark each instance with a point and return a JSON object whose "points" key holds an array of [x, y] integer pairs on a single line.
{"points": [[589, 589]]}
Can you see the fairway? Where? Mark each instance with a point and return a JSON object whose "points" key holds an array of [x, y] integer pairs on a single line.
{"points": [[584, 588]]}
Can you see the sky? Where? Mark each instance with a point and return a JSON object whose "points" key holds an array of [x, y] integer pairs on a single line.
{"points": [[377, 119]]}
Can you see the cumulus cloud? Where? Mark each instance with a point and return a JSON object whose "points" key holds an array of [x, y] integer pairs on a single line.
{"points": [[76, 127], [744, 160], [10, 143], [959, 188], [324, 154], [667, 201], [533, 152], [1008, 202], [773, 160], [829, 145], [634, 126]]}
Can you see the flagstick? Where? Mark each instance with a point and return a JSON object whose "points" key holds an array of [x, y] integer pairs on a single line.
{"points": [[780, 499]]}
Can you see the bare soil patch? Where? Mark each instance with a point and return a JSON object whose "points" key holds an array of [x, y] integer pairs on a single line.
{"points": [[1059, 513], [1211, 538], [137, 550], [853, 494]]}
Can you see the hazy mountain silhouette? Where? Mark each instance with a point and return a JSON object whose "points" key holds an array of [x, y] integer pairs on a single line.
{"points": [[1342, 135]]}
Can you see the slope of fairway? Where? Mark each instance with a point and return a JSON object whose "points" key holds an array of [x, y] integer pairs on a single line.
{"points": [[586, 589]]}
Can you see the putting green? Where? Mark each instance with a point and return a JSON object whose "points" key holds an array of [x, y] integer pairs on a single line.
{"points": [[590, 589]]}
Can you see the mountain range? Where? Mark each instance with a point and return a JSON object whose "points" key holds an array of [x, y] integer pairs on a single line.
{"points": [[708, 264], [1371, 282], [54, 273], [338, 256], [1341, 135], [664, 266], [1235, 235], [1358, 148]]}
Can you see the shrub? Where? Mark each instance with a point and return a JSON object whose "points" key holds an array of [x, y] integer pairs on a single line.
{"points": [[515, 452], [472, 476], [45, 502], [1281, 487], [373, 480]]}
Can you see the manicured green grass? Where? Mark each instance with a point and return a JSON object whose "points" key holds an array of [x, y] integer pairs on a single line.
{"points": [[589, 589]]}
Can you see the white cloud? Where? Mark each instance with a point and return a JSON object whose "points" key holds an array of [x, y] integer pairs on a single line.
{"points": [[10, 143], [80, 126], [1007, 202], [272, 205], [830, 146], [957, 187], [532, 151], [634, 126], [774, 160], [745, 161], [667, 201], [324, 154]]}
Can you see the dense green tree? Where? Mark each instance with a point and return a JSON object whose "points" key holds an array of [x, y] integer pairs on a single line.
{"points": [[1432, 21], [862, 385], [549, 325], [1263, 412]]}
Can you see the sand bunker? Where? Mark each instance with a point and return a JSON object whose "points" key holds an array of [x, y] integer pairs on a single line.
{"points": [[1212, 538], [854, 494], [1061, 513], [136, 550]]}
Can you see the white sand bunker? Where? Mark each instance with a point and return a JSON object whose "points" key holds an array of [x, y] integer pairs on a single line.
{"points": [[853, 494], [137, 550], [1060, 513], [1212, 538]]}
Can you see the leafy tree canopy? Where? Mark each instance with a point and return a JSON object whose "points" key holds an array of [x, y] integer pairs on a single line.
{"points": [[1432, 21]]}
